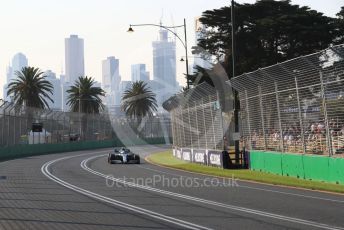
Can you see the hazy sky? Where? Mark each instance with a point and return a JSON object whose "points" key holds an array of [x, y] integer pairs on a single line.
{"points": [[38, 28]]}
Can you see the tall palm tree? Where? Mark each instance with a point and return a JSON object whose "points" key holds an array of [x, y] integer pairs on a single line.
{"points": [[30, 88], [139, 101], [87, 94]]}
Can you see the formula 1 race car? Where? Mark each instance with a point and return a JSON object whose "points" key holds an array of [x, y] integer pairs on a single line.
{"points": [[123, 156]]}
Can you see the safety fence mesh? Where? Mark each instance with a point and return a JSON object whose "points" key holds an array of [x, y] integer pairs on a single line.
{"points": [[296, 106], [58, 127], [196, 118]]}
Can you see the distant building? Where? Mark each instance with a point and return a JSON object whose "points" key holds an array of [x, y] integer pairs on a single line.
{"points": [[4, 91], [164, 83], [57, 91], [19, 61], [111, 80], [97, 84], [8, 78], [65, 86], [139, 73], [74, 58], [123, 86], [9, 72], [62, 78], [164, 60]]}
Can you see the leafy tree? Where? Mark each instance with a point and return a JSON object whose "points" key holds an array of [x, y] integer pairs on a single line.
{"points": [[139, 101], [30, 88], [87, 94], [340, 27], [267, 32], [200, 75]]}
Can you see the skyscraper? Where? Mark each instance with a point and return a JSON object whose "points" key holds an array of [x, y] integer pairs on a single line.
{"points": [[65, 86], [8, 78], [164, 60], [57, 90], [164, 83], [74, 58], [19, 61], [111, 79], [9, 73], [139, 73]]}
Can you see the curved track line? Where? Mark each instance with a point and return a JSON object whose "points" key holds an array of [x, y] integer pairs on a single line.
{"points": [[47, 173], [83, 164], [241, 186]]}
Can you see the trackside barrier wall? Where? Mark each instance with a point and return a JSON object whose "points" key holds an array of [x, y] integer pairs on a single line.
{"points": [[200, 156], [18, 151], [310, 167]]}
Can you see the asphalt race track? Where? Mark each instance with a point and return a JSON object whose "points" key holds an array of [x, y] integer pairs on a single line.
{"points": [[80, 190]]}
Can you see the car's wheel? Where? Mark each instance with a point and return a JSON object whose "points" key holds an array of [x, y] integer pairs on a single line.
{"points": [[138, 160], [109, 161]]}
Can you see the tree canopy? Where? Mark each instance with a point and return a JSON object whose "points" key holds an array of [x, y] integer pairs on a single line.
{"points": [[139, 101], [267, 32], [84, 96], [30, 88]]}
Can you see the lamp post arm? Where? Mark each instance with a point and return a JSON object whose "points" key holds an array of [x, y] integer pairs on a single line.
{"points": [[165, 27]]}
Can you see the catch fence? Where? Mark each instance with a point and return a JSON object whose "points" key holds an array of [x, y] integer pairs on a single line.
{"points": [[196, 118], [296, 106], [57, 127]]}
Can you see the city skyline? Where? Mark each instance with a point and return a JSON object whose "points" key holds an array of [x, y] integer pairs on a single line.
{"points": [[105, 34]]}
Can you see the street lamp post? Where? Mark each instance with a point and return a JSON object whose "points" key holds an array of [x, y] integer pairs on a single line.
{"points": [[184, 43], [236, 104]]}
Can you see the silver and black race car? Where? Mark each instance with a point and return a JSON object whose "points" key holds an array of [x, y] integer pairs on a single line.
{"points": [[124, 156]]}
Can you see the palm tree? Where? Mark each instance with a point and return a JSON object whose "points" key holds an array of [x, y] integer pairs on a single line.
{"points": [[85, 93], [139, 101], [30, 88]]}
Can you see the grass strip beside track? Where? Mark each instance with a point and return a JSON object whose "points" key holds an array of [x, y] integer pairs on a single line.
{"points": [[166, 159]]}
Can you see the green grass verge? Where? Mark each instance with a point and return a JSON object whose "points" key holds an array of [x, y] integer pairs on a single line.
{"points": [[166, 159]]}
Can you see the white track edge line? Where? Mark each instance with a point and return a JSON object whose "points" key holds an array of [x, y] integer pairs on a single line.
{"points": [[45, 171], [83, 164]]}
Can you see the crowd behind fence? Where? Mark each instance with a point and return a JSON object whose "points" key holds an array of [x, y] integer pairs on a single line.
{"points": [[296, 106], [196, 118], [58, 127]]}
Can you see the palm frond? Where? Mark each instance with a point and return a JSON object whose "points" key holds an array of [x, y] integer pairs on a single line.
{"points": [[139, 101], [30, 88]]}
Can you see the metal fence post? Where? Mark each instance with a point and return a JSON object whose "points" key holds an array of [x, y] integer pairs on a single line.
{"points": [[8, 129], [248, 120], [205, 129], [3, 127], [199, 146], [20, 126], [279, 118], [14, 127], [183, 126], [172, 128], [262, 116], [179, 129], [300, 116], [104, 128], [212, 121], [64, 127], [92, 126], [328, 134], [222, 125], [190, 127]]}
